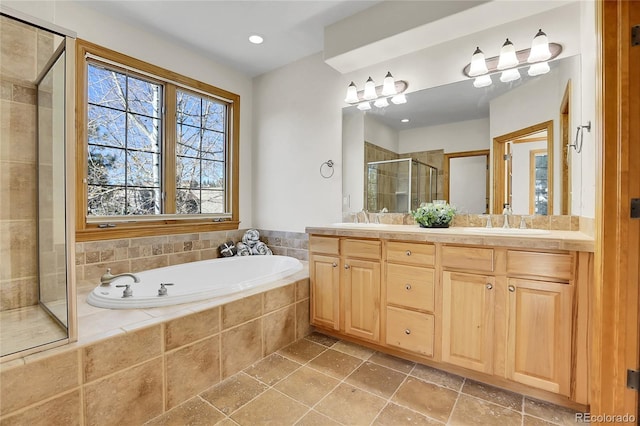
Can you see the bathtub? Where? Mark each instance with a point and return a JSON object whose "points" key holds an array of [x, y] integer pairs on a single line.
{"points": [[195, 281]]}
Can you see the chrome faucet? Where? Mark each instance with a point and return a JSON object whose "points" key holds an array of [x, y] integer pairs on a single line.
{"points": [[366, 216], [108, 277], [506, 212]]}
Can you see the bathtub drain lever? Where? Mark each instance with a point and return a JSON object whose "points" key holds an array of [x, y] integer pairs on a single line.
{"points": [[162, 291]]}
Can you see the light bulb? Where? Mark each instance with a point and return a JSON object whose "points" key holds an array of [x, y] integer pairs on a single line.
{"points": [[364, 106], [508, 57], [370, 90], [389, 85], [381, 103], [399, 99], [352, 94], [538, 68], [478, 64], [509, 75], [539, 48], [482, 81]]}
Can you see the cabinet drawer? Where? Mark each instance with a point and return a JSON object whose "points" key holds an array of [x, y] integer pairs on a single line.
{"points": [[411, 331], [361, 248], [327, 245], [548, 265], [410, 286], [474, 258], [411, 253]]}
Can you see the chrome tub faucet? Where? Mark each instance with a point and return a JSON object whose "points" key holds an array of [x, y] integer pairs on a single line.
{"points": [[108, 277]]}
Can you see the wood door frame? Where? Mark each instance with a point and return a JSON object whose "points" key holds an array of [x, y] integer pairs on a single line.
{"points": [[614, 293], [447, 168], [565, 138], [499, 151]]}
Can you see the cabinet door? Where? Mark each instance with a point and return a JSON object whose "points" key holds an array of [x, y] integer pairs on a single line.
{"points": [[539, 339], [362, 299], [325, 291], [467, 320]]}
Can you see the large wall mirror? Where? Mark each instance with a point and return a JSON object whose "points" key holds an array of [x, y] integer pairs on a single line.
{"points": [[505, 143]]}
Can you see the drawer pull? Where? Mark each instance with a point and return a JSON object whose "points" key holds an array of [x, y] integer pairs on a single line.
{"points": [[489, 286], [407, 287], [347, 266], [334, 264], [408, 252], [407, 331], [512, 288]]}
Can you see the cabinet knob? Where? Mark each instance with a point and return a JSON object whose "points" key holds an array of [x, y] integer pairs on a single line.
{"points": [[334, 264], [512, 288], [407, 287], [408, 252], [489, 286], [407, 331], [347, 266]]}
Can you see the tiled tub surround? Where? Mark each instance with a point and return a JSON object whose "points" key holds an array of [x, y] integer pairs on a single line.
{"points": [[130, 366]]}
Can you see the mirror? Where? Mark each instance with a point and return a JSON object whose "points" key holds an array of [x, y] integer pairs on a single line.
{"points": [[453, 128]]}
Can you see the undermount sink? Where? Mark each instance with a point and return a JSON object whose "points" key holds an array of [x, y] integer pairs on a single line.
{"points": [[506, 231]]}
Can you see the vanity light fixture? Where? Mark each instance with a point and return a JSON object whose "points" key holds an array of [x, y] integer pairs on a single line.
{"points": [[405, 120], [510, 60], [391, 90], [256, 39]]}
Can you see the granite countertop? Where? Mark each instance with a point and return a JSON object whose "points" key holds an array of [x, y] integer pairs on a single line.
{"points": [[516, 238]]}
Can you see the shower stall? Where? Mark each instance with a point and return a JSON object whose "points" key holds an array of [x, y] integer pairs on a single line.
{"points": [[399, 186], [36, 163]]}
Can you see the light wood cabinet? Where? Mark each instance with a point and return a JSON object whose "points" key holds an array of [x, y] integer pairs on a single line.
{"points": [[539, 334], [362, 298], [467, 320], [411, 331], [324, 275]]}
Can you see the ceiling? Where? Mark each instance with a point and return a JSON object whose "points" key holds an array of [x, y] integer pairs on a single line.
{"points": [[220, 30]]}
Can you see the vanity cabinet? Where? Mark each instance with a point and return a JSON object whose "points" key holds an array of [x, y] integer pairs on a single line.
{"points": [[324, 273]]}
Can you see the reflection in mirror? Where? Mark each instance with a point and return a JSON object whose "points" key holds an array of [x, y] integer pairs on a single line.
{"points": [[449, 123]]}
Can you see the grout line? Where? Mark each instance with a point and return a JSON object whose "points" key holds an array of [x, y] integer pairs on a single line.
{"points": [[456, 402]]}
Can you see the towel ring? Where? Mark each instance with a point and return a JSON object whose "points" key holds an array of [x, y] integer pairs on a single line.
{"points": [[323, 172], [580, 132]]}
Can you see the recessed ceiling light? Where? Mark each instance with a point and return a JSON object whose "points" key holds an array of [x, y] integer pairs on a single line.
{"points": [[405, 120], [256, 39]]}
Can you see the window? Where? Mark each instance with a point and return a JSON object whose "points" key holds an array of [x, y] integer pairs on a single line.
{"points": [[156, 150]]}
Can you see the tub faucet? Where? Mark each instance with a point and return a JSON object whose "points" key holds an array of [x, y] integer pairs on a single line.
{"points": [[108, 277]]}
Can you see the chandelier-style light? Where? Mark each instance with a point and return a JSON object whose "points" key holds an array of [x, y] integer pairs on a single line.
{"points": [[510, 60], [391, 90]]}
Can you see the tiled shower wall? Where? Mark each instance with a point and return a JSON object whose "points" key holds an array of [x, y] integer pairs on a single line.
{"points": [[25, 51], [140, 254]]}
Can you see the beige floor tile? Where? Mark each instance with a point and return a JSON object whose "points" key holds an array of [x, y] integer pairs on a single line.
{"points": [[392, 362], [438, 377], [302, 351], [534, 421], [227, 422], [313, 418], [549, 412], [272, 369], [233, 393], [335, 364], [307, 386], [322, 339], [470, 411], [270, 408], [351, 406], [426, 398], [492, 394], [395, 415], [376, 379], [194, 412], [353, 349]]}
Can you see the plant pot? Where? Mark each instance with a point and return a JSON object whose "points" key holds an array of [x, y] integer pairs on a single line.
{"points": [[440, 225]]}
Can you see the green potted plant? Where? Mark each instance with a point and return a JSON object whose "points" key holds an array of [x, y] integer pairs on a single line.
{"points": [[434, 215]]}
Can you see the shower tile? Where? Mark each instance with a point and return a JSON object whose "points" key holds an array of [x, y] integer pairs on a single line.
{"points": [[17, 249], [279, 329], [18, 48], [18, 184], [248, 337], [303, 328], [17, 125], [242, 310], [63, 410], [182, 331], [279, 297], [18, 293], [192, 369], [24, 94], [129, 397], [30, 383], [120, 352], [6, 89], [45, 47]]}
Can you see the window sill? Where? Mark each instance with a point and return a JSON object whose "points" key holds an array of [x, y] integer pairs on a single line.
{"points": [[124, 230]]}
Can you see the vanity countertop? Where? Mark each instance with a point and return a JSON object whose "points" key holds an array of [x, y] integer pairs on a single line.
{"points": [[546, 239]]}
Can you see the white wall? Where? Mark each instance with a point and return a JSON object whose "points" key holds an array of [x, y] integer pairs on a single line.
{"points": [[520, 175], [468, 184], [461, 136], [380, 134], [117, 35]]}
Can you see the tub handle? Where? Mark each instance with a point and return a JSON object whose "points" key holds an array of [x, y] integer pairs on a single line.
{"points": [[127, 290], [162, 291]]}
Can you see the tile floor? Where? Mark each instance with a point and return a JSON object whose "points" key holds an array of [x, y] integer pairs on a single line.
{"points": [[320, 380]]}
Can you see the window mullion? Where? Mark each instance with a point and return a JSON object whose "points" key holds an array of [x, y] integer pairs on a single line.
{"points": [[170, 151]]}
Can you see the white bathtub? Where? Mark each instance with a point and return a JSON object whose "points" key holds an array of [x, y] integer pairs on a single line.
{"points": [[195, 281]]}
